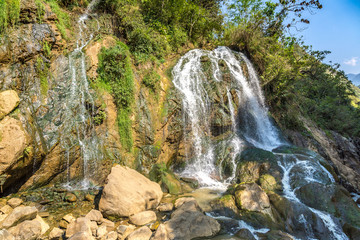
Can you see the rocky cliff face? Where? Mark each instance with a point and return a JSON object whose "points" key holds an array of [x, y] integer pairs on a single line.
{"points": [[343, 153], [23, 56], [35, 65]]}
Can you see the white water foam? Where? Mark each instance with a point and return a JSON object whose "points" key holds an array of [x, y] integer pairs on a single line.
{"points": [[191, 82]]}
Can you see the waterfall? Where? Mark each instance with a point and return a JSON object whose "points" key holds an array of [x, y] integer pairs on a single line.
{"points": [[67, 116], [77, 129], [232, 80], [256, 128]]}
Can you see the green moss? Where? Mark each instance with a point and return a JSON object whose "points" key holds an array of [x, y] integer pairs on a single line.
{"points": [[161, 174], [42, 69], [28, 151], [268, 182], [47, 49]]}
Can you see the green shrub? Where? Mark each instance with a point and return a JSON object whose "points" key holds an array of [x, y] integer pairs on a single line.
{"points": [[9, 14], [116, 75], [152, 81], [40, 10], [64, 21]]}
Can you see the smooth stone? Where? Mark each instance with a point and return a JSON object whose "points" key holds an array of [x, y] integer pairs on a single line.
{"points": [[181, 201], [70, 197], [165, 207], [82, 236], [15, 202], [56, 234], [143, 233], [69, 218], [125, 230], [111, 236], [6, 209], [79, 225], [5, 235], [143, 218], [160, 233], [29, 230], [101, 231], [94, 215], [188, 222]]}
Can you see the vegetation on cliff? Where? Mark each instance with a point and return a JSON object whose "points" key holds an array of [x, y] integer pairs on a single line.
{"points": [[115, 75], [9, 13], [295, 80]]}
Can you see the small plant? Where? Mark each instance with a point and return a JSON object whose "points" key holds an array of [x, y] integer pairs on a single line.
{"points": [[63, 17], [152, 81], [99, 117], [9, 14], [47, 49], [40, 10]]}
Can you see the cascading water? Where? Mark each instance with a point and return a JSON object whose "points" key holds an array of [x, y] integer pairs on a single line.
{"points": [[77, 128], [70, 109], [191, 80], [250, 127]]}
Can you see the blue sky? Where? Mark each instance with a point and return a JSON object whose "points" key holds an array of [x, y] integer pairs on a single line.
{"points": [[336, 28]]}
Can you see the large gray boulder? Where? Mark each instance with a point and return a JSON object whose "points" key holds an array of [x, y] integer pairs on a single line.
{"points": [[189, 222], [128, 192]]}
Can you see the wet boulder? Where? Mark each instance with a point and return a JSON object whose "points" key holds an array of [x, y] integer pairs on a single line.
{"points": [[245, 234], [225, 206], [333, 199], [251, 197], [254, 162], [143, 218], [127, 192]]}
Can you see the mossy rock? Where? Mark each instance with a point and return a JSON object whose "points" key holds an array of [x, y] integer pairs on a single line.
{"points": [[258, 155], [225, 206], [275, 235], [168, 181], [254, 162], [333, 199], [250, 171], [268, 183]]}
